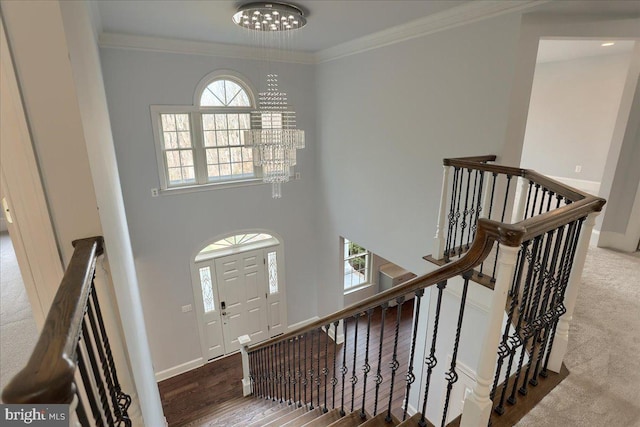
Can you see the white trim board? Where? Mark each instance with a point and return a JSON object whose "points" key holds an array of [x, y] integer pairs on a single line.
{"points": [[441, 21], [591, 187], [179, 369], [303, 323]]}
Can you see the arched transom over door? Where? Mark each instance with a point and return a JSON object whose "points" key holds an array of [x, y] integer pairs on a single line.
{"points": [[238, 284]]}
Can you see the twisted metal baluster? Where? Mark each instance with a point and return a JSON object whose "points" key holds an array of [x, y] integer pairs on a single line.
{"points": [[472, 211], [343, 369], [432, 361], [526, 209], [299, 372], [290, 378], [304, 381], [311, 372], [91, 397], [354, 378], [463, 225], [366, 368], [410, 376], [325, 371], [535, 199], [318, 380], [451, 216], [283, 386], [493, 190], [457, 214], [504, 210], [384, 307], [478, 205], [394, 361], [451, 376], [334, 380], [103, 399]]}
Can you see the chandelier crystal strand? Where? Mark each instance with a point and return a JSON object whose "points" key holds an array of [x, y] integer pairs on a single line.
{"points": [[273, 136]]}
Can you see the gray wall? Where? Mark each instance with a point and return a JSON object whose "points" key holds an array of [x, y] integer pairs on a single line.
{"points": [[572, 114], [386, 119], [168, 230]]}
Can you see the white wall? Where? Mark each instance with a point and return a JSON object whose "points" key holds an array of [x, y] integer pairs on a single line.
{"points": [[572, 113], [167, 231], [386, 119]]}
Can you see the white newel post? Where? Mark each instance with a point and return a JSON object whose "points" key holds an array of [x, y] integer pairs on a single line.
{"points": [[439, 238], [477, 406], [244, 341], [561, 338], [518, 213]]}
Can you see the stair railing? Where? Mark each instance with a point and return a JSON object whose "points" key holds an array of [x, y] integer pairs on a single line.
{"points": [[303, 367], [72, 362]]}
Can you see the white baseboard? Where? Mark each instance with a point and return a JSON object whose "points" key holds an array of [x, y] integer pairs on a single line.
{"points": [[179, 369], [411, 411], [591, 187], [617, 241]]}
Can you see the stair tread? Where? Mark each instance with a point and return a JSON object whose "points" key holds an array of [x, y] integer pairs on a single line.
{"points": [[304, 418], [285, 418], [273, 416], [325, 419], [413, 421], [349, 420], [380, 421]]}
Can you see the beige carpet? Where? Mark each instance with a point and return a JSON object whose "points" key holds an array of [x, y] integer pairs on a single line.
{"points": [[603, 388], [18, 332]]}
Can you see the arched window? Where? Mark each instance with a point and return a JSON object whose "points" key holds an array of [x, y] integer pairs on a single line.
{"points": [[205, 143]]}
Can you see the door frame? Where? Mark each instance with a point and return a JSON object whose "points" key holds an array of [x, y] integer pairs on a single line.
{"points": [[197, 292]]}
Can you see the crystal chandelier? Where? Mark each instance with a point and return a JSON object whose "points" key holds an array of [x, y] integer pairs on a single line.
{"points": [[273, 135]]}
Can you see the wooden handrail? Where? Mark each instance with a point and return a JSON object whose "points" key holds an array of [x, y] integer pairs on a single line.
{"points": [[48, 377], [488, 232]]}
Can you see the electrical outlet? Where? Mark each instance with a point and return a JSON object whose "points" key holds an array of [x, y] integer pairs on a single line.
{"points": [[186, 308], [578, 168], [298, 175], [155, 192]]}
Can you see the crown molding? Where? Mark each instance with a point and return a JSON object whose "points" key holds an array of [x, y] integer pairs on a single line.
{"points": [[450, 18], [166, 45], [465, 14]]}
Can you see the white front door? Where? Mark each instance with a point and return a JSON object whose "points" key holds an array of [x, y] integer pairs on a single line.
{"points": [[243, 297]]}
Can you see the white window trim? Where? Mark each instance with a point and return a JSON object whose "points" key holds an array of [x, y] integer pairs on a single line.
{"points": [[195, 112], [369, 278]]}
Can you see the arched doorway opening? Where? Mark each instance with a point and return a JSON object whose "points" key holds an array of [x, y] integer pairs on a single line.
{"points": [[238, 284]]}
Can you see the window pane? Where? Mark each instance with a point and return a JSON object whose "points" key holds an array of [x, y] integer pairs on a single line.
{"points": [[218, 90], [182, 121], [236, 154], [224, 155], [222, 138], [212, 156], [356, 264], [208, 99], [225, 169], [236, 168], [186, 158], [175, 175], [208, 122], [221, 121], [213, 171], [247, 168], [232, 120], [241, 100], [244, 120], [272, 263], [170, 140], [189, 174], [168, 122], [184, 139], [234, 137], [173, 159], [207, 289]]}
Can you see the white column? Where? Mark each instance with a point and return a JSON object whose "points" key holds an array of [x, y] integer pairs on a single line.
{"points": [[439, 238], [521, 204], [477, 406], [244, 341], [561, 338]]}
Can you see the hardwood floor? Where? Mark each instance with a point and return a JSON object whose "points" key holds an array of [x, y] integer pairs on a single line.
{"points": [[214, 390]]}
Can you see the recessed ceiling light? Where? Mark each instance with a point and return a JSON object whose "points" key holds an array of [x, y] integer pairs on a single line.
{"points": [[607, 44]]}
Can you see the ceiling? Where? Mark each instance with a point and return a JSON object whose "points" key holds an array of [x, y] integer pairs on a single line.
{"points": [[331, 23]]}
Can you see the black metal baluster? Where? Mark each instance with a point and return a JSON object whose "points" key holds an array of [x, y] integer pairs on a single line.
{"points": [[343, 369], [290, 377], [542, 199], [276, 384], [104, 401], [86, 381], [523, 335], [504, 210], [311, 372], [299, 373], [124, 400], [304, 381], [526, 209], [318, 378], [256, 373], [80, 411], [366, 368], [451, 376], [457, 214], [503, 349], [493, 190], [472, 209], [334, 380], [384, 307], [103, 363], [394, 365], [325, 371], [465, 212], [532, 318], [432, 361], [410, 375], [551, 194], [267, 357], [354, 378], [535, 200], [451, 216], [478, 205], [281, 375]]}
